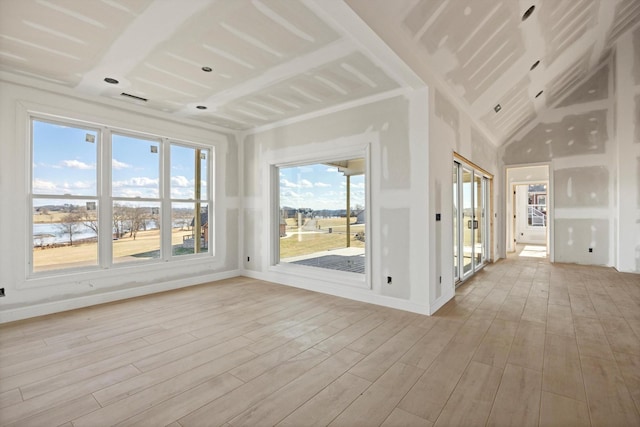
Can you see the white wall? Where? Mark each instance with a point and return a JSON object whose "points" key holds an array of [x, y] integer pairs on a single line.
{"points": [[26, 296], [451, 130], [627, 173], [577, 138], [396, 132]]}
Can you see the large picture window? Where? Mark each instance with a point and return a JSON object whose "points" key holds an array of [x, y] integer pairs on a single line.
{"points": [[79, 222], [322, 210]]}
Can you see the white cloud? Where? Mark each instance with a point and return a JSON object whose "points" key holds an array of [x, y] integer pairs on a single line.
{"points": [[42, 185], [360, 185], [119, 165], [76, 164], [305, 183], [180, 181], [182, 193], [287, 183], [321, 185], [141, 181], [332, 170], [81, 185]]}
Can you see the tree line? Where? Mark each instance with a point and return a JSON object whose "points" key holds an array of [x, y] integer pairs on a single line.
{"points": [[126, 219]]}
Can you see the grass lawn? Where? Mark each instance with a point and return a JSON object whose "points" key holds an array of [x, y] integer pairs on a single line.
{"points": [[303, 244], [146, 245]]}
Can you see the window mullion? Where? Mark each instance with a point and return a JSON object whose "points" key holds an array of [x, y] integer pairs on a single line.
{"points": [[105, 219], [165, 188]]}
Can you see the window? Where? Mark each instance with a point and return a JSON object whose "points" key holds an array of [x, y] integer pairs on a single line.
{"points": [[135, 187], [322, 215], [537, 205], [64, 187], [189, 200], [78, 222]]}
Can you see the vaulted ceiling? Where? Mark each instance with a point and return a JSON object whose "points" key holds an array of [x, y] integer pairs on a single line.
{"points": [[241, 64]]}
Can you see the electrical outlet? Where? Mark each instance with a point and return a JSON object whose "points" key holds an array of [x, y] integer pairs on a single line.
{"points": [[590, 250], [2, 292], [389, 280], [248, 259]]}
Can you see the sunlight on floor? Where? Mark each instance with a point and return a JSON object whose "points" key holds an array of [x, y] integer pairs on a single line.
{"points": [[532, 251]]}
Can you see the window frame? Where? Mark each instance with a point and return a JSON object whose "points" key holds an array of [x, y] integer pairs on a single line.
{"points": [[330, 153], [99, 143], [105, 199], [209, 199], [537, 195], [109, 258]]}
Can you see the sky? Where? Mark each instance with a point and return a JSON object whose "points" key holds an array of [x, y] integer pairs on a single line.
{"points": [[65, 159], [318, 186]]}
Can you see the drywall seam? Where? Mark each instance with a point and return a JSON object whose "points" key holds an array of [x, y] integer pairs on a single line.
{"points": [[333, 109]]}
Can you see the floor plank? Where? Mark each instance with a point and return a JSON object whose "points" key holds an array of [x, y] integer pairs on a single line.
{"points": [[518, 398]]}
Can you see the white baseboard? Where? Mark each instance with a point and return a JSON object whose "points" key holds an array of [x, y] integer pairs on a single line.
{"points": [[444, 298], [20, 313], [349, 292]]}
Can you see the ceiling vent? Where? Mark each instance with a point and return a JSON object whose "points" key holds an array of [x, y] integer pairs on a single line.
{"points": [[137, 98]]}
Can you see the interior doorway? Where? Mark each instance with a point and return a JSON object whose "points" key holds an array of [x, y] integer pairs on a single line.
{"points": [[529, 225]]}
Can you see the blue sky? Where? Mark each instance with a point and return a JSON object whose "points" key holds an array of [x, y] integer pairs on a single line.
{"points": [[318, 187], [65, 159], [64, 162]]}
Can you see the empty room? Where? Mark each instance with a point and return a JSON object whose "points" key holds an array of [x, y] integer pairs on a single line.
{"points": [[319, 212]]}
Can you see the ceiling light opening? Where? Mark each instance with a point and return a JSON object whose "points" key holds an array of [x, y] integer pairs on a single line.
{"points": [[535, 64], [539, 93], [111, 80], [207, 69], [201, 107], [528, 13], [497, 108]]}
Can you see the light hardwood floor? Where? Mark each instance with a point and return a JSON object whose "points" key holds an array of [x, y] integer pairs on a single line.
{"points": [[523, 343]]}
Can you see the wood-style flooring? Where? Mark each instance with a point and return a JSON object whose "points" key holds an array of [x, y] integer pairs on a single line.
{"points": [[524, 343]]}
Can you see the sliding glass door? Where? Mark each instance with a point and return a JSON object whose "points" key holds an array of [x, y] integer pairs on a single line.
{"points": [[470, 220]]}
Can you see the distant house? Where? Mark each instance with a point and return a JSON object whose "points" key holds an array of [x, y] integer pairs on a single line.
{"points": [[188, 241], [360, 216]]}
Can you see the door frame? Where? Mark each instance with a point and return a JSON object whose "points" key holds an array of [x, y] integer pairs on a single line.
{"points": [[487, 226], [510, 205]]}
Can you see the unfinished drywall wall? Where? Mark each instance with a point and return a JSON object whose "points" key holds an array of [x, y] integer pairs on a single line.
{"points": [[449, 117], [573, 235], [446, 137], [29, 296], [627, 171], [395, 132], [396, 262], [563, 135], [576, 137], [581, 187]]}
